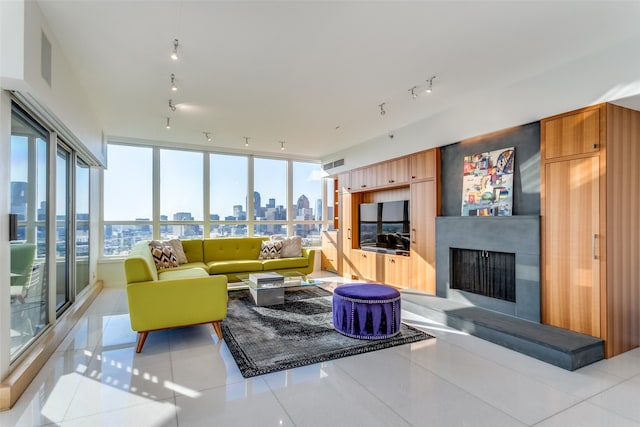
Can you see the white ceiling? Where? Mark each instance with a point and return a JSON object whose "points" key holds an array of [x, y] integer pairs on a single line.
{"points": [[313, 73]]}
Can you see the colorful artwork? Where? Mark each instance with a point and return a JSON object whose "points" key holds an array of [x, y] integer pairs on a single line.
{"points": [[487, 184]]}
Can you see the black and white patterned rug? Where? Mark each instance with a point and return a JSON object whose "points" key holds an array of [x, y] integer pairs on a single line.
{"points": [[297, 333]]}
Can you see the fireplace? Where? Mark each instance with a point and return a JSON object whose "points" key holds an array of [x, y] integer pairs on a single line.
{"points": [[487, 273], [490, 262]]}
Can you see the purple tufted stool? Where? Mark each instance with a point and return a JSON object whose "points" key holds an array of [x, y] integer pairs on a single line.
{"points": [[366, 311]]}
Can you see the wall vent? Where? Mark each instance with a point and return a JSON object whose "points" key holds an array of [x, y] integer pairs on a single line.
{"points": [[327, 166], [338, 163], [45, 59]]}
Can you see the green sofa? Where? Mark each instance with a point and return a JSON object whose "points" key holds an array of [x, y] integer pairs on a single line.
{"points": [[171, 299], [238, 256], [196, 292]]}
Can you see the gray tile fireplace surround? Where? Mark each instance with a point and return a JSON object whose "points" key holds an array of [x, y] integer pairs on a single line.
{"points": [[512, 325], [519, 234]]}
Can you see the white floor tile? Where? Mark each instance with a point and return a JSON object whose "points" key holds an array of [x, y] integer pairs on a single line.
{"points": [[587, 415], [248, 403], [186, 377]]}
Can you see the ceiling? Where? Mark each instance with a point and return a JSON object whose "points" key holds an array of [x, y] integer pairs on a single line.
{"points": [[312, 74]]}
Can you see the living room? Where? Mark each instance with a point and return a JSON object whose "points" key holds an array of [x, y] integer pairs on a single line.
{"points": [[354, 72]]}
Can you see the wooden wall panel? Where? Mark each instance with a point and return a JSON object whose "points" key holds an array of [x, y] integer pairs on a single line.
{"points": [[623, 230]]}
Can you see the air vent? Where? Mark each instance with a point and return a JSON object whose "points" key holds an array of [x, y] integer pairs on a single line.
{"points": [[327, 166], [45, 59], [338, 163]]}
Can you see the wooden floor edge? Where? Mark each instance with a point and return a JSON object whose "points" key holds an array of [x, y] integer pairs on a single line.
{"points": [[26, 370]]}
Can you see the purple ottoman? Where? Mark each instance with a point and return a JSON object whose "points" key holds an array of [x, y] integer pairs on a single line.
{"points": [[366, 311]]}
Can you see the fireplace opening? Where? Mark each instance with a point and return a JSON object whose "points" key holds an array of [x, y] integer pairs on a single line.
{"points": [[487, 273]]}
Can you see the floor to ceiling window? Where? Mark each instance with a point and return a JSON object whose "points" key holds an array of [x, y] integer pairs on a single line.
{"points": [[163, 193], [44, 173], [28, 251], [63, 248]]}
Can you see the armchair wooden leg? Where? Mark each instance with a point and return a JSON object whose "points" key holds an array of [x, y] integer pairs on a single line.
{"points": [[217, 328], [142, 337]]}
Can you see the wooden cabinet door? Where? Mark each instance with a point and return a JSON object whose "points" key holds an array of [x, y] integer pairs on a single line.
{"points": [[573, 133], [424, 165], [571, 245], [394, 172], [344, 182], [364, 265], [329, 243], [346, 233], [396, 270], [423, 231]]}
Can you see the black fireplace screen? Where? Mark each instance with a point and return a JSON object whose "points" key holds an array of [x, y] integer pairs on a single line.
{"points": [[492, 274]]}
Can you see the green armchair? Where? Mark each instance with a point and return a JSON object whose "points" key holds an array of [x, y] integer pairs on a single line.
{"points": [[171, 299]]}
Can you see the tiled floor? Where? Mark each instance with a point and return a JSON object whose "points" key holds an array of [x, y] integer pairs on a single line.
{"points": [[187, 378]]}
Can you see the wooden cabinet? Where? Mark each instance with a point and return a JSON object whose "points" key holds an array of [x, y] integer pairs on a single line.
{"points": [[424, 209], [574, 133], [329, 260], [590, 194], [571, 291], [396, 270], [344, 182], [364, 265], [364, 179], [345, 233], [424, 164], [394, 172]]}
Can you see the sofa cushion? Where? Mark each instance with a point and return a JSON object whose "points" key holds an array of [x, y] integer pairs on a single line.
{"points": [[270, 250], [163, 255], [183, 273], [234, 266], [193, 250], [178, 250], [232, 248], [189, 265], [291, 246], [284, 263]]}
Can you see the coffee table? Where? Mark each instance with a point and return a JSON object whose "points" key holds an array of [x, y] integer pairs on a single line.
{"points": [[269, 294]]}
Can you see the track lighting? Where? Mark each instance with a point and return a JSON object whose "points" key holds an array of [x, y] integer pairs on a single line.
{"points": [[413, 93], [171, 106], [168, 125], [430, 84], [208, 136], [382, 112], [174, 54], [246, 141], [282, 145], [173, 83]]}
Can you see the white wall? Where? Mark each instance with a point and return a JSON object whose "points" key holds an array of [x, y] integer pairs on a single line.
{"points": [[65, 101], [603, 76]]}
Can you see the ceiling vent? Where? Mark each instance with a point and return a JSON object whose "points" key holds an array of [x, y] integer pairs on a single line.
{"points": [[338, 163], [333, 164]]}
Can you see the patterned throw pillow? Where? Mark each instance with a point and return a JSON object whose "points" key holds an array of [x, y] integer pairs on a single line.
{"points": [[270, 250], [178, 250], [163, 255], [291, 246]]}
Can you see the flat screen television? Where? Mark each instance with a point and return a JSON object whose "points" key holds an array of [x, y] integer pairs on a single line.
{"points": [[384, 226]]}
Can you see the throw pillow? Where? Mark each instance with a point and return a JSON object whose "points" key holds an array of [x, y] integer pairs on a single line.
{"points": [[270, 250], [291, 246], [178, 250], [163, 255]]}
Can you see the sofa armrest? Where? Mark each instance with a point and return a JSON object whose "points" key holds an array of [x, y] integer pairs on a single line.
{"points": [[181, 302], [310, 254]]}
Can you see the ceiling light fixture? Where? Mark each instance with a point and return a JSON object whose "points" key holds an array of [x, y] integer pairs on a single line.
{"points": [[413, 93], [282, 145], [382, 112], [246, 141], [171, 106], [174, 54], [168, 125], [208, 136], [173, 83], [430, 86]]}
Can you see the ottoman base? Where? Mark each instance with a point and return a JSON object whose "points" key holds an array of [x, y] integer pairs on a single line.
{"points": [[366, 311]]}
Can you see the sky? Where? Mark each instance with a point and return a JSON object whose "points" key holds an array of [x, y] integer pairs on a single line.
{"points": [[128, 197]]}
